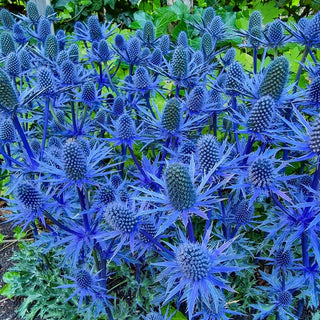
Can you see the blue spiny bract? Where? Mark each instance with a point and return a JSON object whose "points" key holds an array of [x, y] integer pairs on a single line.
{"points": [[314, 140], [193, 261], [120, 218], [6, 130], [171, 117], [74, 161], [208, 152], [181, 190], [275, 78], [262, 172], [154, 316], [29, 196], [261, 114], [94, 28], [8, 97], [6, 43]]}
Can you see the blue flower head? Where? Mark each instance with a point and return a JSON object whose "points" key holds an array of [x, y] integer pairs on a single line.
{"points": [[73, 53], [156, 57], [275, 78], [255, 20], [118, 106], [94, 28], [208, 15], [12, 65], [183, 39], [33, 12], [207, 45], [235, 79], [50, 13], [229, 57], [43, 29], [8, 97], [51, 47], [6, 130], [6, 43], [19, 34], [120, 42], [7, 19], [62, 39], [45, 81], [25, 60], [171, 116], [148, 34], [194, 271], [208, 152], [164, 44]]}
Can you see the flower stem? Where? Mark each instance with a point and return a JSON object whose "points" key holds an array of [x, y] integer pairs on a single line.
{"points": [[45, 127], [147, 180], [163, 157], [235, 126], [190, 231], [83, 118], [255, 59], [156, 243], [17, 125], [83, 208]]}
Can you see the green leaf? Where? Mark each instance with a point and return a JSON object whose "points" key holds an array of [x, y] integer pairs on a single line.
{"points": [[6, 291], [140, 19], [269, 10], [61, 4], [1, 237], [10, 276], [162, 23], [182, 26], [111, 3], [85, 2], [179, 8], [18, 233]]}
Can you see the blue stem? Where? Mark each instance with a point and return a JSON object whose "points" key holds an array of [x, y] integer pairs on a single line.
{"points": [[190, 231], [17, 125], [147, 98], [255, 59], [45, 127], [166, 145], [8, 157], [235, 126], [207, 225], [83, 208], [313, 57], [263, 58], [73, 114], [147, 180], [156, 243]]}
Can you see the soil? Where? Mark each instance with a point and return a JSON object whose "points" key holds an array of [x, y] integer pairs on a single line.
{"points": [[8, 307]]}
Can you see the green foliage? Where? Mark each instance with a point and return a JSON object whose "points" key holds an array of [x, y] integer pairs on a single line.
{"points": [[35, 277]]}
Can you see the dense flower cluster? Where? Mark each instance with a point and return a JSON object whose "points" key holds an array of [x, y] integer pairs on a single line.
{"points": [[177, 170]]}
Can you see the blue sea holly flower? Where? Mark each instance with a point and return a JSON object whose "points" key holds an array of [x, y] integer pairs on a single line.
{"points": [[74, 168], [195, 271], [280, 294], [123, 222], [87, 284], [7, 19], [182, 196]]}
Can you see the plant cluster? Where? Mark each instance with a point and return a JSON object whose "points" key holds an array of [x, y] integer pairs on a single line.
{"points": [[163, 169]]}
